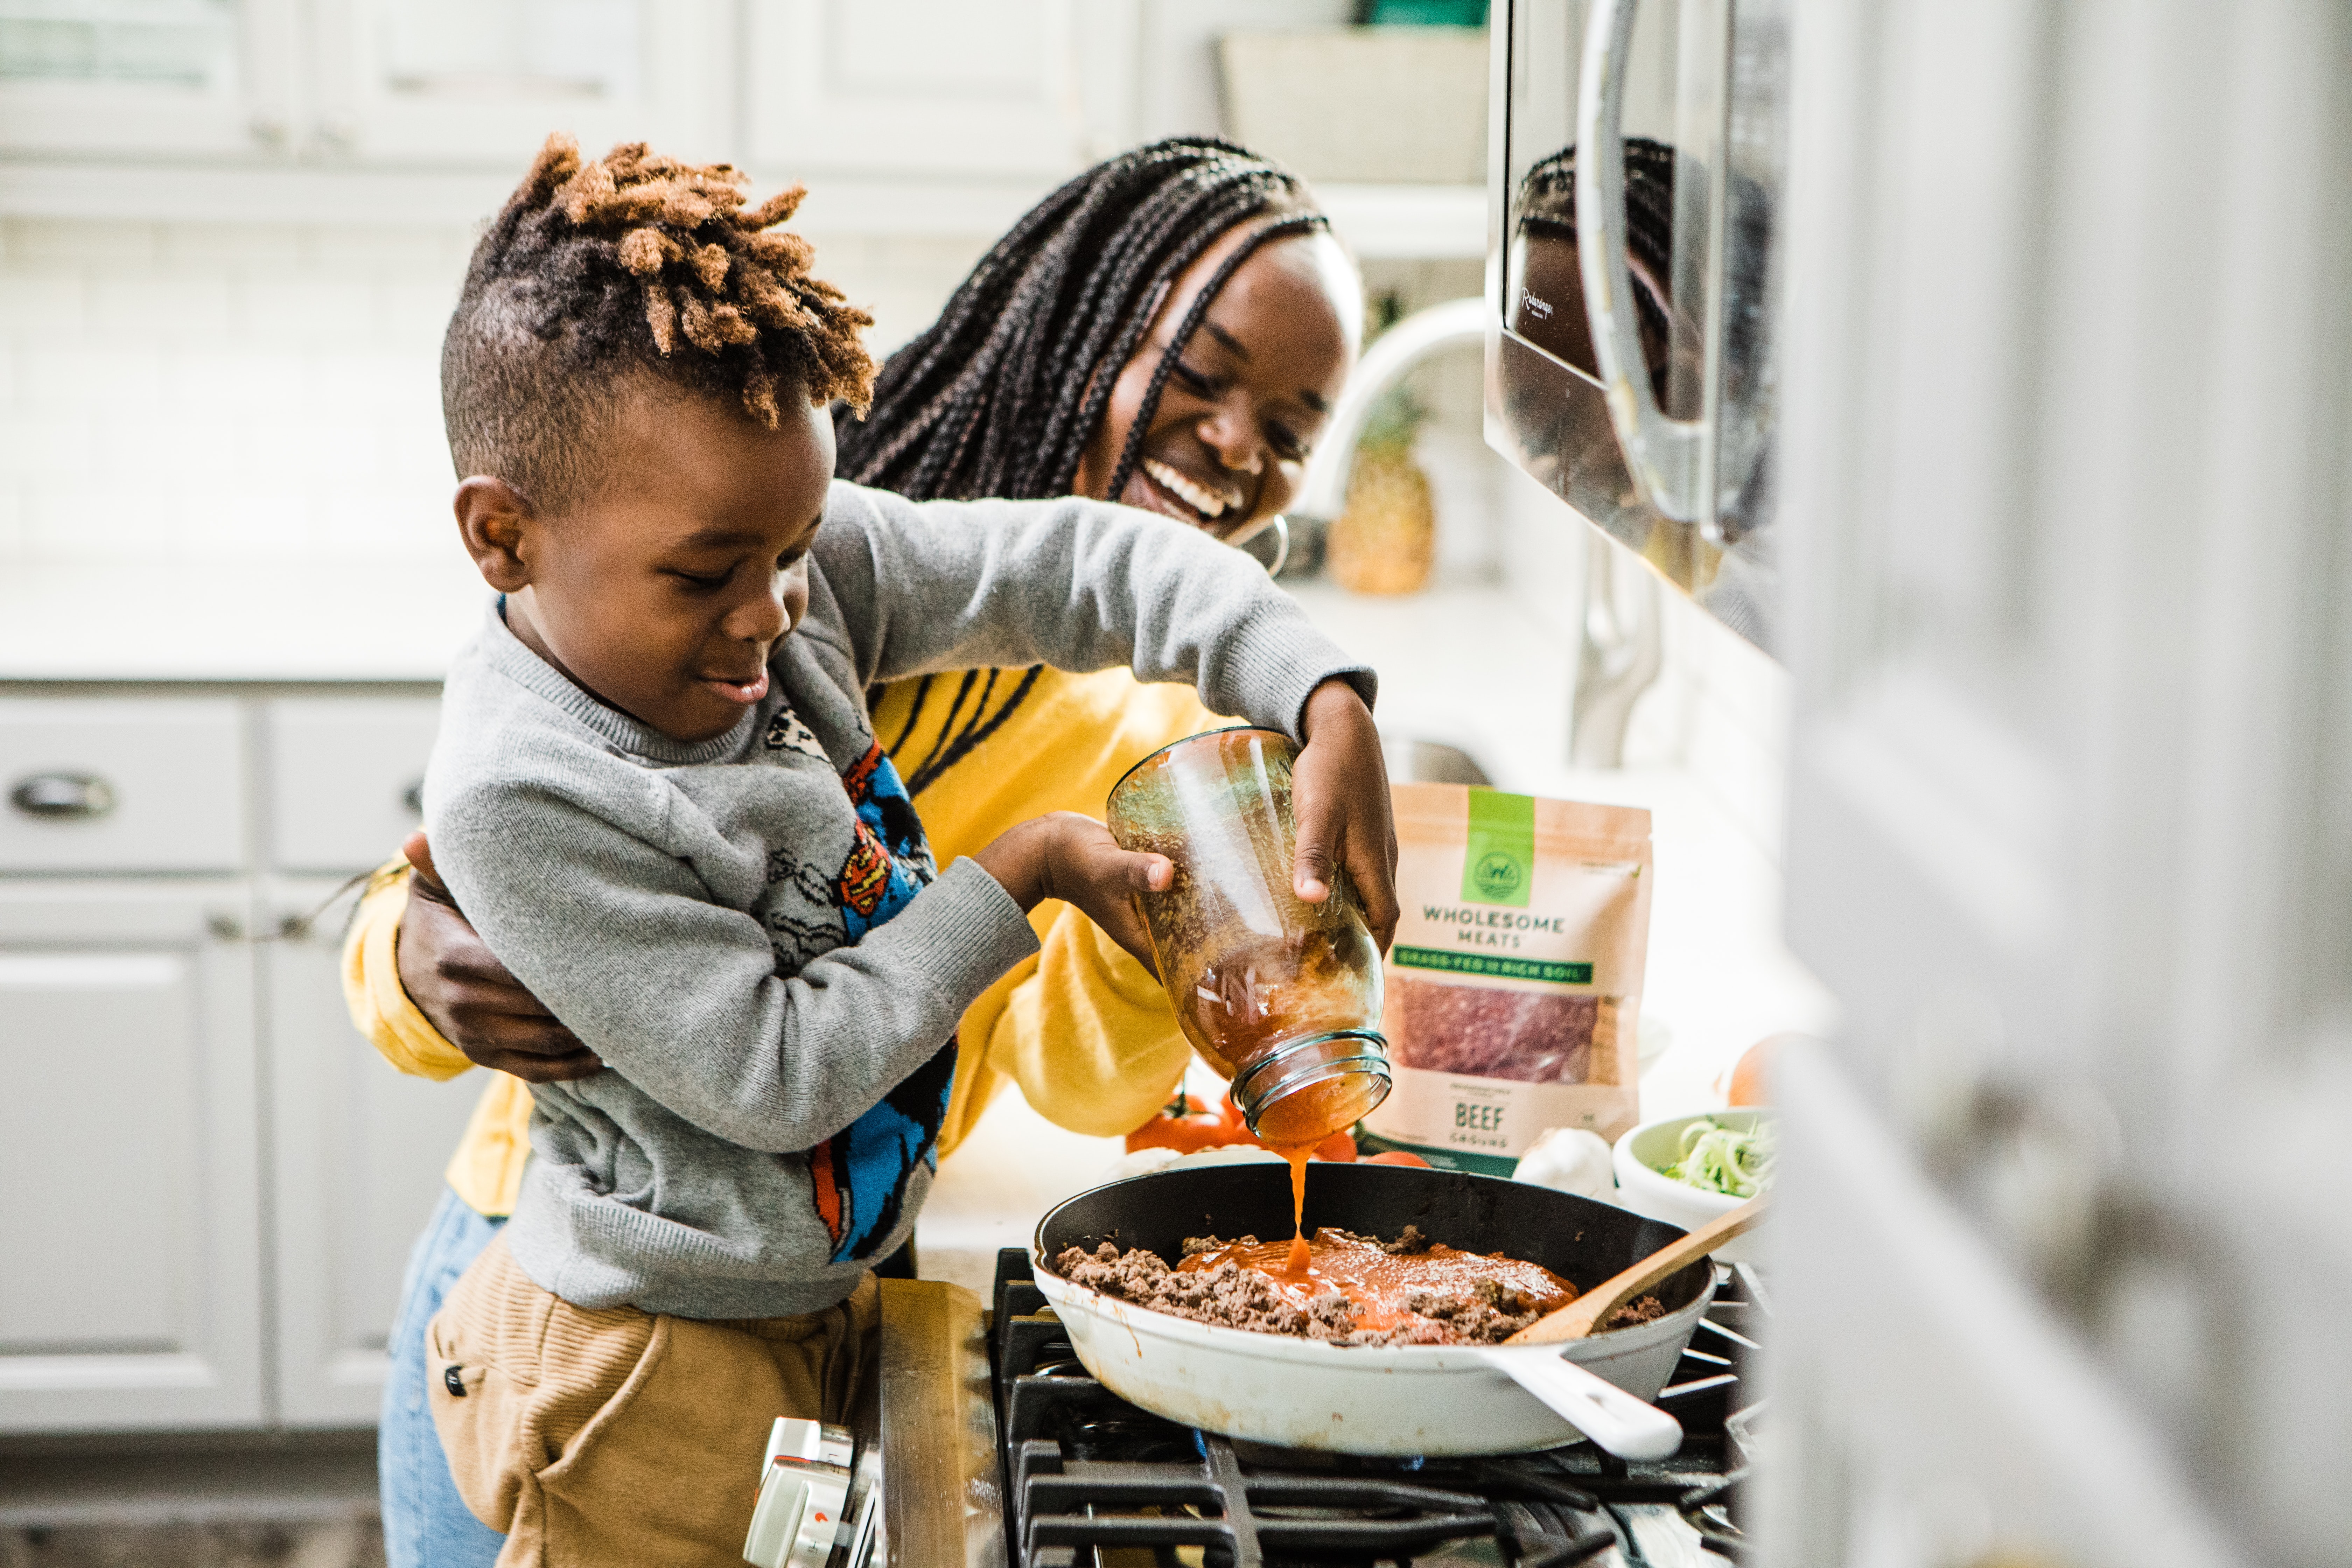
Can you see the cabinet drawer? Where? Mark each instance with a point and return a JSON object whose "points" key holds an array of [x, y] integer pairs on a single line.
{"points": [[343, 776], [120, 783]]}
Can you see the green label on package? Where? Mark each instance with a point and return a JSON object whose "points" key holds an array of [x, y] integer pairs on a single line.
{"points": [[1500, 866], [1542, 969]]}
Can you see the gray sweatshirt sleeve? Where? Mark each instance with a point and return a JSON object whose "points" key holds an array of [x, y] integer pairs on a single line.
{"points": [[1077, 584], [613, 931]]}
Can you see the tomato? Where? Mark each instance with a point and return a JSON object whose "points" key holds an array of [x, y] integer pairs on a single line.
{"points": [[1200, 1128], [1396, 1157]]}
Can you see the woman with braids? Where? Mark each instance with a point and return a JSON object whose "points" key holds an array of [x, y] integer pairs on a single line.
{"points": [[1177, 320]]}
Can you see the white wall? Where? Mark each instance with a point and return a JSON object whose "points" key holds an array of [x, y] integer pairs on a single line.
{"points": [[178, 390]]}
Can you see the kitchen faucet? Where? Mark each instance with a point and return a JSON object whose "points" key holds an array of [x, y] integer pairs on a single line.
{"points": [[1621, 650]]}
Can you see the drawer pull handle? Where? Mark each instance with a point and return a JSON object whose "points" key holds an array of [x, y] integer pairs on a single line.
{"points": [[62, 795], [413, 797]]}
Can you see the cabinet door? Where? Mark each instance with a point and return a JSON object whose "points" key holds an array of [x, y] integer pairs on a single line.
{"points": [[927, 87], [2067, 813], [358, 1151], [164, 78], [482, 82], [346, 777], [130, 1297]]}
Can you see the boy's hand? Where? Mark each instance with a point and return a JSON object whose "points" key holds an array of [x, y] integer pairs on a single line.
{"points": [[1339, 799], [462, 989], [1072, 857]]}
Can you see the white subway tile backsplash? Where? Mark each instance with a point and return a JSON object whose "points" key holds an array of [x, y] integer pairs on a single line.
{"points": [[245, 518], [41, 307], [244, 380], [414, 313], [106, 241], [344, 451], [231, 247], [171, 306], [41, 446], [190, 447], [374, 382], [99, 517], [190, 388], [359, 251], [306, 312], [114, 384], [404, 518]]}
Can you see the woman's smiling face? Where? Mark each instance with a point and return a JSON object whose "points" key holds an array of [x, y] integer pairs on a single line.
{"points": [[1248, 397]]}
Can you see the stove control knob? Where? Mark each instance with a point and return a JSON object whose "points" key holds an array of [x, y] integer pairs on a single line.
{"points": [[804, 1494]]}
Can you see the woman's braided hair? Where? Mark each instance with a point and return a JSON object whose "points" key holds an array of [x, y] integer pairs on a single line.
{"points": [[1003, 393], [634, 262]]}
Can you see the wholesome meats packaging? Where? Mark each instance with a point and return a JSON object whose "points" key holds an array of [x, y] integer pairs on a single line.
{"points": [[1515, 982]]}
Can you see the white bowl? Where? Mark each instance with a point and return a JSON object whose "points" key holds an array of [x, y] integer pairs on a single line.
{"points": [[1641, 1158]]}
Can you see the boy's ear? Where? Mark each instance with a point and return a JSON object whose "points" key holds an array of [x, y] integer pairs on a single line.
{"points": [[492, 518]]}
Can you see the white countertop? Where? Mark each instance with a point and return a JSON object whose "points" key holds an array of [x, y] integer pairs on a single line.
{"points": [[319, 620]]}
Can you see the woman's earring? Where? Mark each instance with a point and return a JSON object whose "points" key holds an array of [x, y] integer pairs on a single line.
{"points": [[1269, 546]]}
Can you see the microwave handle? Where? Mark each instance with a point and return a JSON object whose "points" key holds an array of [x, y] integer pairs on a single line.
{"points": [[1667, 458]]}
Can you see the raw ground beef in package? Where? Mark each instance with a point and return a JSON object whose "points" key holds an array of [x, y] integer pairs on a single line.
{"points": [[1515, 983]]}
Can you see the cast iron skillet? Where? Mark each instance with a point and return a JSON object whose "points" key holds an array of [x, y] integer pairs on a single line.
{"points": [[1417, 1399]]}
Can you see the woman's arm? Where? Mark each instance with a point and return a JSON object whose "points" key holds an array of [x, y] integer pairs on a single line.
{"points": [[429, 994], [380, 1010]]}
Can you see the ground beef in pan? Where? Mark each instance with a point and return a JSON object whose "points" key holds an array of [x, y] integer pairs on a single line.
{"points": [[1236, 1297]]}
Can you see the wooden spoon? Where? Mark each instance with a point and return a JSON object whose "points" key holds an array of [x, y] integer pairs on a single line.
{"points": [[1579, 1318]]}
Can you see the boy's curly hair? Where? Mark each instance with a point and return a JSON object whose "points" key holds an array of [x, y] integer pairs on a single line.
{"points": [[634, 263]]}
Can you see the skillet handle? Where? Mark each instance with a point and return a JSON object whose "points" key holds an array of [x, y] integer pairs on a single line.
{"points": [[1628, 1428]]}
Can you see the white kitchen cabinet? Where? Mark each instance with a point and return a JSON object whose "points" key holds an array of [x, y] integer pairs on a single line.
{"points": [[131, 1295], [482, 82], [1018, 89], [448, 83], [2061, 1251], [122, 784], [168, 78], [222, 1180], [346, 778], [357, 1154]]}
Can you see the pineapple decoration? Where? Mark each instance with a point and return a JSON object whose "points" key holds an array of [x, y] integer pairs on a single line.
{"points": [[1387, 538]]}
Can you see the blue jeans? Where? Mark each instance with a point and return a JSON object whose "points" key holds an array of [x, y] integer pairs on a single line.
{"points": [[425, 1523]]}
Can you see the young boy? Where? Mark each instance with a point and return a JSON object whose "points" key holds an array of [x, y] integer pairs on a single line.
{"points": [[657, 796]]}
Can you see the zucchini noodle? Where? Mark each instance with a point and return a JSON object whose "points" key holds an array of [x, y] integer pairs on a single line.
{"points": [[1735, 1162]]}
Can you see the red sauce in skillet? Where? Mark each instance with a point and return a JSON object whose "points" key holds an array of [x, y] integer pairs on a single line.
{"points": [[1380, 1283]]}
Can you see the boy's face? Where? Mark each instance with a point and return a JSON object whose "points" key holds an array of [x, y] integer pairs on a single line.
{"points": [[662, 589]]}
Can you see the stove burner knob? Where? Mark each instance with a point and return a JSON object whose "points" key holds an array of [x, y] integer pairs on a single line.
{"points": [[803, 1495]]}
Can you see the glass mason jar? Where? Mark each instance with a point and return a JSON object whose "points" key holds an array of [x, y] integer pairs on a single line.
{"points": [[1281, 995]]}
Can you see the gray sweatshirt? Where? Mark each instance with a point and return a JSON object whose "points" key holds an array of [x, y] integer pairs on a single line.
{"points": [[749, 930]]}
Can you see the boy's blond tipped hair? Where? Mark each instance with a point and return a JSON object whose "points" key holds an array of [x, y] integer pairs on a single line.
{"points": [[634, 263]]}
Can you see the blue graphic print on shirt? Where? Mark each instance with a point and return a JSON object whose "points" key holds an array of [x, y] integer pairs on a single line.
{"points": [[860, 1174]]}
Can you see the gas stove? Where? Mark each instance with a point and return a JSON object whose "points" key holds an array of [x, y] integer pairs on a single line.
{"points": [[1090, 1481]]}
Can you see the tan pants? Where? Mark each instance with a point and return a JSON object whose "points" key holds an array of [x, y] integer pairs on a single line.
{"points": [[617, 1436]]}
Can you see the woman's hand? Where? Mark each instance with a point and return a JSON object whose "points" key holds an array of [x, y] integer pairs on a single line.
{"points": [[467, 994], [1339, 799], [1072, 857]]}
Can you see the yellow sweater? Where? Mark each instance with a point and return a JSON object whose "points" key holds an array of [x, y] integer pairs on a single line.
{"points": [[1081, 1027]]}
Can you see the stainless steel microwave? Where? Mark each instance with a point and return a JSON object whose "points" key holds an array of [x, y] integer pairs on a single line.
{"points": [[1636, 167]]}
